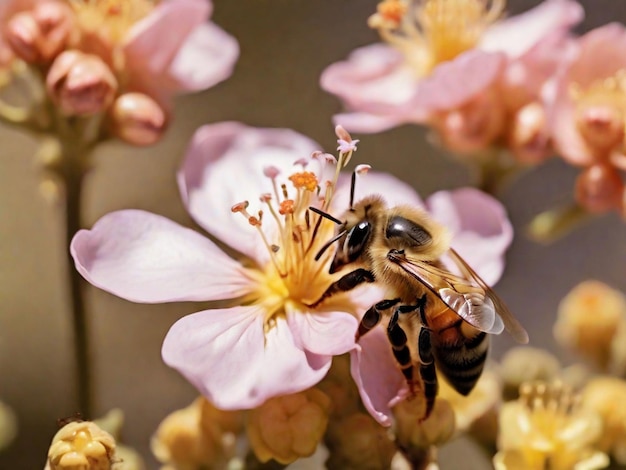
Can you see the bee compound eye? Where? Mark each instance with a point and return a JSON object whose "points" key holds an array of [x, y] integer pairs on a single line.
{"points": [[357, 238]]}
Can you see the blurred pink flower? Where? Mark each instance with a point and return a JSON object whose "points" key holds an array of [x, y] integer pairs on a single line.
{"points": [[454, 66], [268, 342], [159, 49], [8, 8], [589, 115]]}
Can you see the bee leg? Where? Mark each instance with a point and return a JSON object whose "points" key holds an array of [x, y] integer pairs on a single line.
{"points": [[397, 338], [345, 283], [427, 370], [373, 316]]}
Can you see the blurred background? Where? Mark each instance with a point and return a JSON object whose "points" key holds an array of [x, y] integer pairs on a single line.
{"points": [[285, 44]]}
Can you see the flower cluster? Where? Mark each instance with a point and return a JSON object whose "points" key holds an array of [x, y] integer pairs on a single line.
{"points": [[484, 83], [118, 60]]}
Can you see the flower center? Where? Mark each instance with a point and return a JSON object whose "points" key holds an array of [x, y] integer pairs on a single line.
{"points": [[429, 32], [110, 19], [601, 112], [295, 276]]}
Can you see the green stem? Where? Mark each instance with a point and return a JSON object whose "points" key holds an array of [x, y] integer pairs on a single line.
{"points": [[72, 172], [553, 224]]}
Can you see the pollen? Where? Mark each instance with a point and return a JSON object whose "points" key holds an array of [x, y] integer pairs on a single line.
{"points": [[110, 19], [304, 179], [286, 207], [429, 32], [392, 10]]}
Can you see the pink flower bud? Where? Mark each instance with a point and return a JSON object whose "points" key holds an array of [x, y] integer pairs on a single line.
{"points": [[602, 126], [599, 188], [528, 139], [81, 84], [41, 34], [474, 126], [138, 119]]}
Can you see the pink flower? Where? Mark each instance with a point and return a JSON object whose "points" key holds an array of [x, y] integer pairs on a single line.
{"points": [[8, 8], [268, 342], [451, 65], [158, 49]]}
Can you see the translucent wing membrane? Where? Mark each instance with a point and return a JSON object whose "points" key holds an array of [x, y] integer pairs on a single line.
{"points": [[466, 294]]}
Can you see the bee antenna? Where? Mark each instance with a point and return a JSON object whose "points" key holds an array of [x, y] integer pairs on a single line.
{"points": [[328, 244], [352, 185], [326, 215]]}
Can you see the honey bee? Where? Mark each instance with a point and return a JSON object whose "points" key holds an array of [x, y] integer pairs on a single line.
{"points": [[439, 320]]}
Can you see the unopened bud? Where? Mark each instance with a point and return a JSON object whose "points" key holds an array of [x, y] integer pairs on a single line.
{"points": [[81, 445], [81, 84], [40, 34], [138, 119], [602, 126], [528, 139], [472, 127], [289, 427], [599, 188]]}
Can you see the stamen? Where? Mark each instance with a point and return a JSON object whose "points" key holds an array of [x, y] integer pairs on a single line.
{"points": [[429, 32]]}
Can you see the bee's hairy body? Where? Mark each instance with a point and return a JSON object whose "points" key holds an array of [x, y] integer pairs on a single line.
{"points": [[423, 330]]}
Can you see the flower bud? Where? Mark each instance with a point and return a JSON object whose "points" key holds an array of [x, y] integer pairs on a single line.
{"points": [[359, 442], [472, 127], [40, 34], [601, 125], [588, 318], [528, 139], [138, 119], [412, 431], [526, 364], [81, 445], [606, 396], [288, 427], [197, 436], [80, 84], [599, 188]]}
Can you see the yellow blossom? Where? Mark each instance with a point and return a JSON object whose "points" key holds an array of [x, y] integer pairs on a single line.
{"points": [[606, 396], [588, 320], [526, 364], [81, 445], [196, 436], [546, 428], [288, 427]]}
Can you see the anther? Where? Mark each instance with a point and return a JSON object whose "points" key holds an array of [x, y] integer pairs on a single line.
{"points": [[271, 171], [286, 207], [240, 207], [265, 197]]}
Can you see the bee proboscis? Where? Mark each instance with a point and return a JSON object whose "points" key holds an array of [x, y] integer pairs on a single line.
{"points": [[439, 320]]}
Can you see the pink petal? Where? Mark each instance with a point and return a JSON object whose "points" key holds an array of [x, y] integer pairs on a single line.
{"points": [[373, 77], [206, 58], [144, 257], [324, 333], [376, 374], [393, 190], [225, 354], [480, 227], [154, 41], [518, 34], [224, 165], [367, 122], [453, 83], [602, 53]]}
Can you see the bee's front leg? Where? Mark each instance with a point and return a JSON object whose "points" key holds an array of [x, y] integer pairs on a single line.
{"points": [[373, 316], [345, 283]]}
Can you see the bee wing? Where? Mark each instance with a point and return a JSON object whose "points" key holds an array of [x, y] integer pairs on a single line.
{"points": [[467, 295], [510, 323]]}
